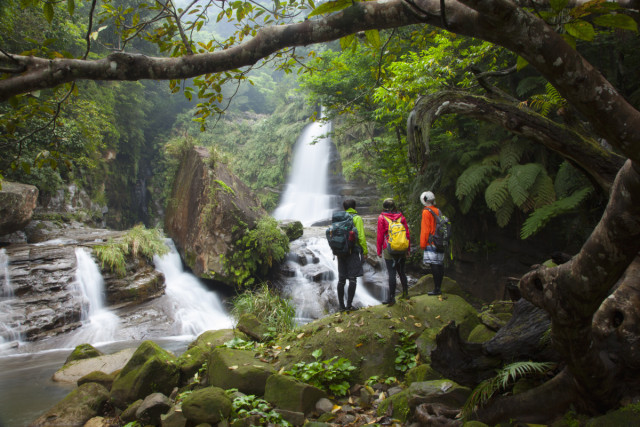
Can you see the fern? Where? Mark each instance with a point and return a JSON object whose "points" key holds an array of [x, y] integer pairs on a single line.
{"points": [[569, 180], [505, 378], [548, 101], [511, 153], [497, 194], [540, 217], [503, 214], [521, 179], [543, 191], [470, 182]]}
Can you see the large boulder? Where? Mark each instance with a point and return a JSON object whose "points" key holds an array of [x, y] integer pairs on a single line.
{"points": [[17, 202], [82, 404], [208, 405], [285, 392], [151, 369], [75, 370], [209, 206], [232, 368], [198, 352]]}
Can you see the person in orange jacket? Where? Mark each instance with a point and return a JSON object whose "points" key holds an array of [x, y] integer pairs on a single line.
{"points": [[395, 262], [427, 229]]}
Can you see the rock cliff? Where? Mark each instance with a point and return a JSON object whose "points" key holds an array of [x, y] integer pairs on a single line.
{"points": [[208, 209]]}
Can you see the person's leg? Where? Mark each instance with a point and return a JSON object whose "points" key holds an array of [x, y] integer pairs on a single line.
{"points": [[342, 279], [438, 275], [391, 269], [400, 267], [351, 292]]}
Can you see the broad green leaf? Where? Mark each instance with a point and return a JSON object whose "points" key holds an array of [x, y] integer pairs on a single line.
{"points": [[71, 6], [373, 37], [26, 167], [521, 63], [571, 41], [346, 41], [619, 20], [48, 11], [330, 6], [580, 29], [558, 5]]}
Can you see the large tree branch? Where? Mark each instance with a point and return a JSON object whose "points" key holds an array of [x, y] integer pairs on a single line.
{"points": [[584, 152]]}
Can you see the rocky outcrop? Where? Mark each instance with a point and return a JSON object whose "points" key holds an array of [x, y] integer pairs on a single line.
{"points": [[82, 404], [208, 207], [17, 202]]}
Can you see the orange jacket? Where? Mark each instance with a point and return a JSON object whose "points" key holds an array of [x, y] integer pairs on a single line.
{"points": [[427, 225]]}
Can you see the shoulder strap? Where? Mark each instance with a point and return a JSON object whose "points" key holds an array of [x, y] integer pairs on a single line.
{"points": [[432, 212]]}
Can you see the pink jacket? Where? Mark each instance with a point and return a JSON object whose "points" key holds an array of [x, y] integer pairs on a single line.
{"points": [[383, 229]]}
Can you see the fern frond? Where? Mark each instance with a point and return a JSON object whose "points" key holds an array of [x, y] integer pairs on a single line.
{"points": [[469, 156], [466, 203], [488, 144], [543, 191], [492, 161], [540, 217], [569, 180], [521, 179], [529, 85], [504, 212], [497, 194], [511, 153], [554, 96], [470, 181], [540, 104]]}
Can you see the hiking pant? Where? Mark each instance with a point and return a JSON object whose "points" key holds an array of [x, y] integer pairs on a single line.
{"points": [[350, 292], [438, 274], [396, 265]]}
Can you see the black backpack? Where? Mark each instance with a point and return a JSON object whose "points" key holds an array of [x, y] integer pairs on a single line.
{"points": [[342, 234], [440, 238]]}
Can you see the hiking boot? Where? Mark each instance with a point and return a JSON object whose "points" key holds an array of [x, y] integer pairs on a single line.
{"points": [[434, 293], [389, 302], [349, 308], [404, 295]]}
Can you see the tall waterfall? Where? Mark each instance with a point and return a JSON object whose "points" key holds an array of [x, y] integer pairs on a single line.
{"points": [[306, 196], [8, 320], [195, 308]]}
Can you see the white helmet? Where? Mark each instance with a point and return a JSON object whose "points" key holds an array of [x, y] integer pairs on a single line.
{"points": [[427, 198]]}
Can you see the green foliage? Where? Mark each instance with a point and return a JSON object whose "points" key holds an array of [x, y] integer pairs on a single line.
{"points": [[256, 252], [239, 344], [406, 351], [268, 307], [250, 405], [139, 241], [375, 379], [330, 375], [542, 216], [504, 379]]}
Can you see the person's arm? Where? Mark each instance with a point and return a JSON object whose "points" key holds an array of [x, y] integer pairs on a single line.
{"points": [[362, 240], [380, 235]]}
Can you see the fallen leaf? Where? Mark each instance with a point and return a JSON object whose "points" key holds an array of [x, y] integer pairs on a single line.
{"points": [[300, 335], [438, 317], [288, 347], [232, 368], [359, 345], [336, 408], [417, 325], [339, 329]]}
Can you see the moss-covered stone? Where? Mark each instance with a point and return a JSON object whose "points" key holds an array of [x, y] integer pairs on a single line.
{"points": [[98, 377], [421, 373], [480, 334], [151, 369], [623, 417], [198, 352], [208, 405], [83, 351], [76, 408], [285, 392], [449, 287], [400, 408], [293, 229], [232, 368], [250, 325]]}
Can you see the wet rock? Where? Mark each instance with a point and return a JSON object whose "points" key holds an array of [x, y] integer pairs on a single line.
{"points": [[17, 203], [250, 325], [232, 368], [152, 407], [173, 418], [73, 371], [82, 404], [198, 352], [324, 405], [293, 229], [83, 351], [99, 377], [287, 393], [208, 405]]}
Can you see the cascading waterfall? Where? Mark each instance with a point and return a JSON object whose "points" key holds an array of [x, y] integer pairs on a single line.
{"points": [[100, 325], [8, 335], [306, 196], [195, 308]]}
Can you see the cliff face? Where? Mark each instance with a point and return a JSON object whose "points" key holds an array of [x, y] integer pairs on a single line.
{"points": [[208, 209]]}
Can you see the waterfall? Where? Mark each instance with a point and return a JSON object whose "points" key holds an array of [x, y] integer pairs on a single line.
{"points": [[306, 196], [195, 308], [99, 324], [8, 319], [7, 291]]}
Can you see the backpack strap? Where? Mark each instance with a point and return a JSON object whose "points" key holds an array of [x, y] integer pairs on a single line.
{"points": [[432, 212]]}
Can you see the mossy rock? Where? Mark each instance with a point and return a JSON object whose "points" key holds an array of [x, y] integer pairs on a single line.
{"points": [[367, 337], [151, 369], [198, 352], [78, 407], [250, 325], [293, 229], [627, 416], [98, 377], [448, 287], [208, 405], [285, 392], [232, 368], [474, 424], [83, 351], [481, 334], [421, 373]]}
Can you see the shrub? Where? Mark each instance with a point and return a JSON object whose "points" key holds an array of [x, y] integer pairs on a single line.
{"points": [[268, 306]]}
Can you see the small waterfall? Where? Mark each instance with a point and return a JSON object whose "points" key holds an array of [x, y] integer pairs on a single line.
{"points": [[195, 308], [99, 324], [306, 196], [9, 321]]}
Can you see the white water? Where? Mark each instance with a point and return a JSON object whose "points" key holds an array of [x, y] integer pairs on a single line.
{"points": [[8, 318], [306, 196], [195, 308]]}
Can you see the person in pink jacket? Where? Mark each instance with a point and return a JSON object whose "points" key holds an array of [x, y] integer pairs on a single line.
{"points": [[395, 262]]}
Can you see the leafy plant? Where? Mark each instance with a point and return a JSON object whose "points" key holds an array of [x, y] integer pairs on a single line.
{"points": [[406, 351], [375, 379], [268, 307], [246, 406], [332, 374], [504, 379], [239, 343], [256, 252]]}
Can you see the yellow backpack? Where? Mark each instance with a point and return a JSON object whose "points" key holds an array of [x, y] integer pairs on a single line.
{"points": [[398, 242]]}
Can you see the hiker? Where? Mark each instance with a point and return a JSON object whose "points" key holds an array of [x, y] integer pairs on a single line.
{"points": [[350, 266], [427, 229], [394, 257]]}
